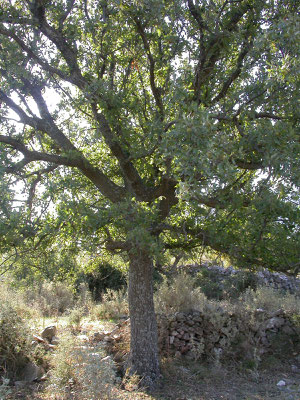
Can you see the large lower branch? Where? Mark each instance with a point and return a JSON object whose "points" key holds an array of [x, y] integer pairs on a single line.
{"points": [[114, 192], [130, 173]]}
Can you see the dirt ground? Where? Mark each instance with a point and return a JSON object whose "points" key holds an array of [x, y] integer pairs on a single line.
{"points": [[193, 381]]}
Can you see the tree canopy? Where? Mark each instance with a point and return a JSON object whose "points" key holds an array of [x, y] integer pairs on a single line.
{"points": [[141, 126]]}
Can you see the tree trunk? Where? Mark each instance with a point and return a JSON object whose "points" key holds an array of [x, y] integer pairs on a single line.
{"points": [[144, 339]]}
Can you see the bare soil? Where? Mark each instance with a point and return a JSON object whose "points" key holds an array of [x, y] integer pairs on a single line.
{"points": [[184, 380]]}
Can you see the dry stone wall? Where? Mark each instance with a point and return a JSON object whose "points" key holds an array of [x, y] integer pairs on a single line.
{"points": [[264, 277], [219, 333]]}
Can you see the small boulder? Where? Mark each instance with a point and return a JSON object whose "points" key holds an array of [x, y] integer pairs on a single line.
{"points": [[20, 384], [32, 372], [107, 359], [49, 332], [55, 341], [275, 322], [295, 368], [38, 339], [281, 383], [97, 336], [83, 338]]}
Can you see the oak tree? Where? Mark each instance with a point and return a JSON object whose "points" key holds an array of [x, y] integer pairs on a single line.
{"points": [[141, 126]]}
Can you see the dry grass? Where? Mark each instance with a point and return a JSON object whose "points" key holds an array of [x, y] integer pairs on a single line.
{"points": [[194, 381], [179, 294], [80, 371], [270, 300], [113, 306]]}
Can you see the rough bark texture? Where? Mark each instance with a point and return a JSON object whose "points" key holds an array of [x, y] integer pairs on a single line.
{"points": [[144, 338]]}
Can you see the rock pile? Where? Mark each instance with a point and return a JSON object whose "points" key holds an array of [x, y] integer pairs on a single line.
{"points": [[278, 281], [264, 276], [198, 334], [216, 334], [31, 371]]}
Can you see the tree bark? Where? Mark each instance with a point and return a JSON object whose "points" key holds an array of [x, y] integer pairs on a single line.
{"points": [[143, 360]]}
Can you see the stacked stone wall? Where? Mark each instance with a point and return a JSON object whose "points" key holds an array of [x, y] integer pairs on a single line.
{"points": [[264, 277], [219, 333]]}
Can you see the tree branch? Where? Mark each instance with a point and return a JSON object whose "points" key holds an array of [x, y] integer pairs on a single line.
{"points": [[155, 90], [211, 54], [68, 52], [47, 67], [235, 74], [70, 5], [129, 171], [114, 192]]}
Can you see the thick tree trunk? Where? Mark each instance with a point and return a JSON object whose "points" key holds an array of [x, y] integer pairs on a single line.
{"points": [[144, 341]]}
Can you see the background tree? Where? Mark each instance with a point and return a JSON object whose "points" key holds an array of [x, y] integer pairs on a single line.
{"points": [[142, 126]]}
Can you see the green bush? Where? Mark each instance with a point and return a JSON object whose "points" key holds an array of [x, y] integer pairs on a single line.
{"points": [[103, 277], [220, 288], [209, 282], [15, 348], [235, 285]]}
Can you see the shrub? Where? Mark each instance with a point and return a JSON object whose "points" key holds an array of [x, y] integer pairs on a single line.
{"points": [[114, 305], [83, 297], [218, 287], [235, 285], [4, 389], [15, 349], [75, 317], [51, 298], [104, 277], [210, 284], [178, 294], [271, 299], [82, 370], [17, 300]]}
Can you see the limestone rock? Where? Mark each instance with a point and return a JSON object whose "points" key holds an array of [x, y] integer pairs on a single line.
{"points": [[281, 383], [275, 322], [31, 372], [38, 339], [97, 336], [49, 332], [20, 384], [55, 341]]}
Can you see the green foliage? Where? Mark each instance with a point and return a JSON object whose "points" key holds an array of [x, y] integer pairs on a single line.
{"points": [[236, 285], [180, 114], [214, 286], [145, 126], [15, 347], [209, 282], [103, 276]]}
